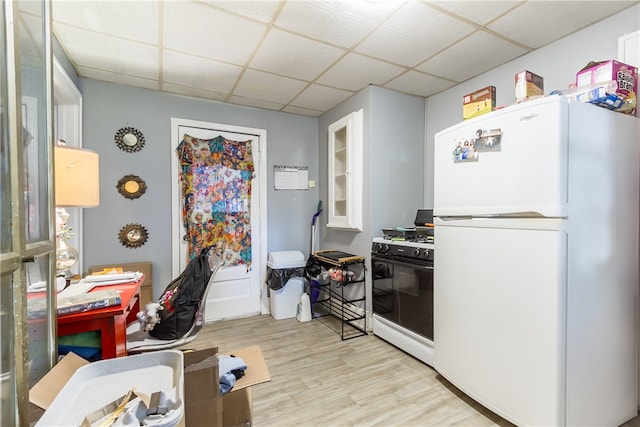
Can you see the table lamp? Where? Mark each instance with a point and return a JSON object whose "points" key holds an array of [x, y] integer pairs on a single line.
{"points": [[77, 185]]}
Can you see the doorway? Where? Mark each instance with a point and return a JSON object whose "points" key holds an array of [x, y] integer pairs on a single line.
{"points": [[238, 290]]}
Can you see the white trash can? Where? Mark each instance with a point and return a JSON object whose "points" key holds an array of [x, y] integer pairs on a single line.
{"points": [[285, 279]]}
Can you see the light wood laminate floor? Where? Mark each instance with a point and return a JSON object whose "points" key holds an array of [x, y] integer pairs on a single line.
{"points": [[319, 380]]}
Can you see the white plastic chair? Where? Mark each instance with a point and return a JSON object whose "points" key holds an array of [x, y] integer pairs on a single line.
{"points": [[139, 341]]}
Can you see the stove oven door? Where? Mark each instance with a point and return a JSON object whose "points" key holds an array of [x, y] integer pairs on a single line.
{"points": [[402, 293]]}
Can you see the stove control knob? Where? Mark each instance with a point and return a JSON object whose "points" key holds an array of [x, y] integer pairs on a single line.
{"points": [[416, 252], [426, 253], [381, 247]]}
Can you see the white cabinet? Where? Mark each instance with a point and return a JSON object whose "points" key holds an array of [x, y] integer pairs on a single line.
{"points": [[345, 172]]}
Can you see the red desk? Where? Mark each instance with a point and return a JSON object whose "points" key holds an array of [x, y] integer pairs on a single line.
{"points": [[110, 321]]}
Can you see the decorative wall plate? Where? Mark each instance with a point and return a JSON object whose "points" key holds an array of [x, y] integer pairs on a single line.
{"points": [[129, 139], [131, 186], [133, 235]]}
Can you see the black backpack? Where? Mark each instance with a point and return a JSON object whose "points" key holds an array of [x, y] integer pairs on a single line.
{"points": [[181, 299]]}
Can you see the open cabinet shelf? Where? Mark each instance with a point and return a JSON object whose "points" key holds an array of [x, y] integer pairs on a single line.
{"points": [[345, 143]]}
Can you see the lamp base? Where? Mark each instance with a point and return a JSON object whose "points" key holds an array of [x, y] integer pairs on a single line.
{"points": [[61, 283], [66, 258]]}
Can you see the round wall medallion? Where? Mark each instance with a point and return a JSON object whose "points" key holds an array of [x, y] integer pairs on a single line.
{"points": [[133, 235], [131, 186], [129, 139]]}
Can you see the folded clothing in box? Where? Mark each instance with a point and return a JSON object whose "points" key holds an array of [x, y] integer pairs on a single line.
{"points": [[231, 369]]}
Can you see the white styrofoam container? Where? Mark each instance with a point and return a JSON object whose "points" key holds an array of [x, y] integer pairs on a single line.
{"points": [[97, 384], [286, 259]]}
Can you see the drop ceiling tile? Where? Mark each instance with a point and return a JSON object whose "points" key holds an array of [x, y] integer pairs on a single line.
{"points": [[268, 87], [419, 84], [294, 56], [30, 7], [354, 72], [262, 11], [132, 20], [538, 23], [193, 92], [121, 79], [250, 102], [318, 97], [414, 34], [188, 70], [116, 55], [302, 111], [475, 54], [478, 11], [341, 23], [202, 30], [31, 46]]}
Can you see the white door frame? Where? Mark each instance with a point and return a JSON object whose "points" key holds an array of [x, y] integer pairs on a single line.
{"points": [[261, 170]]}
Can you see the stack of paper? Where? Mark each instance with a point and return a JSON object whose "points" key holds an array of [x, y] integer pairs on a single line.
{"points": [[113, 278]]}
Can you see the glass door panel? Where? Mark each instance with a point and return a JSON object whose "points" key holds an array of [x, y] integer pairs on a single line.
{"points": [[27, 307], [33, 73], [35, 83], [9, 259]]}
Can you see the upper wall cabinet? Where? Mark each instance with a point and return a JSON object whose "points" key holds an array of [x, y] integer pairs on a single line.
{"points": [[345, 172]]}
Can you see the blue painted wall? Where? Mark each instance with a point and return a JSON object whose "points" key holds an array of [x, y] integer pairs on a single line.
{"points": [[291, 139]]}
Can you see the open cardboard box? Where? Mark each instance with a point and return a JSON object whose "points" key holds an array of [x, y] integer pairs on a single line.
{"points": [[203, 405]]}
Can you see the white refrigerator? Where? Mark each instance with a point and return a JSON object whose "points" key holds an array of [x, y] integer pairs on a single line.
{"points": [[536, 262]]}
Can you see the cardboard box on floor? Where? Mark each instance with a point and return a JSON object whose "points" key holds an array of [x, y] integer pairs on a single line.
{"points": [[203, 405]]}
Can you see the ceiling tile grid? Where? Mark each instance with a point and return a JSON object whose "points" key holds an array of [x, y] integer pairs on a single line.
{"points": [[335, 22], [113, 54], [294, 56], [268, 87], [201, 30], [188, 70], [354, 72], [413, 34], [320, 97], [306, 56], [417, 83], [471, 56]]}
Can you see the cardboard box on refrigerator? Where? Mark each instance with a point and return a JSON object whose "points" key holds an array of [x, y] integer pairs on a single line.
{"points": [[528, 85], [204, 406], [479, 102], [621, 79]]}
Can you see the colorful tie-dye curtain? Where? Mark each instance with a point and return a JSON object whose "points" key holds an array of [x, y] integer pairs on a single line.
{"points": [[216, 179]]}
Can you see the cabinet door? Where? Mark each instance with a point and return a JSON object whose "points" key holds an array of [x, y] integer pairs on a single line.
{"points": [[345, 172]]}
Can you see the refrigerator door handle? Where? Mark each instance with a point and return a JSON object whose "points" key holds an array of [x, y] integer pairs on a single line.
{"points": [[502, 222], [528, 214]]}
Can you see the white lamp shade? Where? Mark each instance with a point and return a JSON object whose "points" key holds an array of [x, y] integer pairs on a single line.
{"points": [[77, 173]]}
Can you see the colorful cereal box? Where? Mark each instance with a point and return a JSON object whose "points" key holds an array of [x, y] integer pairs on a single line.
{"points": [[528, 85], [479, 102], [625, 76]]}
